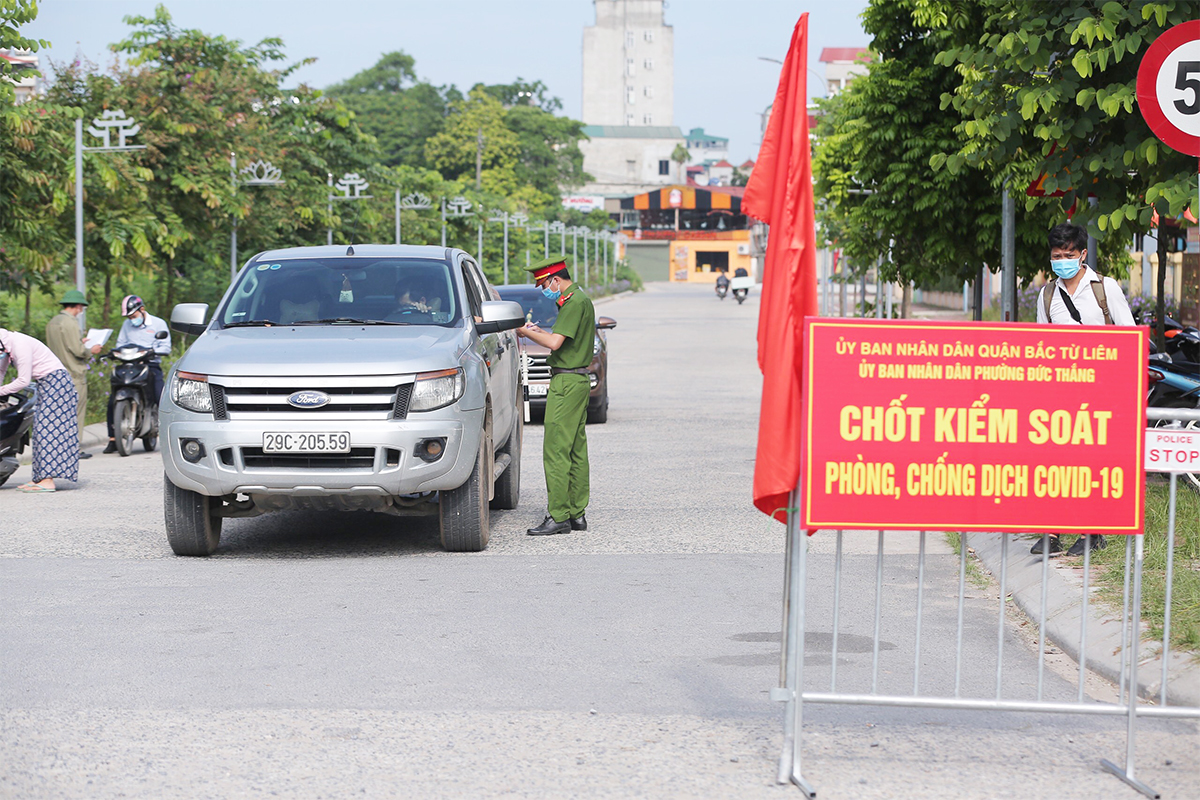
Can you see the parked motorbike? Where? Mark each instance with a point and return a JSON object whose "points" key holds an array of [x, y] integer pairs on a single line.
{"points": [[1174, 383], [1182, 341], [135, 406], [16, 424]]}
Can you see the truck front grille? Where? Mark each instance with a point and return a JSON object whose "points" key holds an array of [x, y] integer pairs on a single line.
{"points": [[538, 369], [374, 397]]}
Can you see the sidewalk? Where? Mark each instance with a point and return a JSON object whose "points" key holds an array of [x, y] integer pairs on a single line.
{"points": [[1064, 605]]}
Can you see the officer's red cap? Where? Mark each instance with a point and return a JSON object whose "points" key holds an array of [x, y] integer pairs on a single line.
{"points": [[547, 267]]}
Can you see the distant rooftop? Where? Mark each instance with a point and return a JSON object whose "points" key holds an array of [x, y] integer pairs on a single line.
{"points": [[698, 133], [633, 131], [844, 55]]}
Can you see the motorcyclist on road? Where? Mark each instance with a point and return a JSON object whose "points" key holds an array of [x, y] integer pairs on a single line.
{"points": [[140, 328]]}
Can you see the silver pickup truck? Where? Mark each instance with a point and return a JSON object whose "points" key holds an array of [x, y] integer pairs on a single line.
{"points": [[365, 378]]}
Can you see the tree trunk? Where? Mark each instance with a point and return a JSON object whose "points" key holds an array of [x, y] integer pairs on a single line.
{"points": [[170, 266], [906, 301], [107, 296], [28, 302], [1160, 306]]}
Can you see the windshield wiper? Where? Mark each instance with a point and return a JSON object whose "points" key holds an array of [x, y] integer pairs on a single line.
{"points": [[250, 323], [346, 321]]}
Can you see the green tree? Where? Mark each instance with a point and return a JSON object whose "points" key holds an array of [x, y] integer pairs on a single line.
{"points": [[476, 144], [1050, 88], [400, 111], [880, 200], [14, 14], [680, 156]]}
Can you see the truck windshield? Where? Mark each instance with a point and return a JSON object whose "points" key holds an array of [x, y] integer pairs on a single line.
{"points": [[332, 291]]}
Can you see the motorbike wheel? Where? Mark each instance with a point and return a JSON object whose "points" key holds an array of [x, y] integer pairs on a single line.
{"points": [[740, 297], [150, 441], [125, 426]]}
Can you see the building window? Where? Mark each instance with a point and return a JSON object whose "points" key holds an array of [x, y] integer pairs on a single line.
{"points": [[630, 95], [631, 168], [664, 167], [648, 91], [648, 64], [647, 119], [629, 38], [629, 66], [629, 122], [648, 36]]}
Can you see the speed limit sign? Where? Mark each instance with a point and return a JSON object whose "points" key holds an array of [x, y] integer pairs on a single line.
{"points": [[1168, 87]]}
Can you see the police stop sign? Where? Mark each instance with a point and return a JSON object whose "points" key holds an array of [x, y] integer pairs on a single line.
{"points": [[1168, 87], [1172, 450]]}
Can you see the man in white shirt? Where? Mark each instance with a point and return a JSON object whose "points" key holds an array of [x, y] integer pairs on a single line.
{"points": [[1076, 295], [140, 328]]}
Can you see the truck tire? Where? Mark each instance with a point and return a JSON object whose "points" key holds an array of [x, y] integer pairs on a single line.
{"points": [[192, 527], [508, 486], [124, 426], [463, 512]]}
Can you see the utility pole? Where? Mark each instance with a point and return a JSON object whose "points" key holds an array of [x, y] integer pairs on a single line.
{"points": [[1008, 257], [479, 161]]}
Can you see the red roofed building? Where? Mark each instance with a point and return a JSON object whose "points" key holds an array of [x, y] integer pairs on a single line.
{"points": [[842, 64], [26, 87]]}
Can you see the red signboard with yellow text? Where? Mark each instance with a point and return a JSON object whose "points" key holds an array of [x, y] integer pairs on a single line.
{"points": [[973, 426]]}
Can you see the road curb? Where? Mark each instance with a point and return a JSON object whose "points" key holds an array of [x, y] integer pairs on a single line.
{"points": [[1064, 605], [608, 298]]}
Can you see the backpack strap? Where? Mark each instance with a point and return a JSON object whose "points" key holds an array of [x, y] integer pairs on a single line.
{"points": [[1102, 300], [1048, 295]]}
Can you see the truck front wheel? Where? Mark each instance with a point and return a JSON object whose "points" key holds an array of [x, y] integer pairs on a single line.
{"points": [[193, 529], [463, 512]]}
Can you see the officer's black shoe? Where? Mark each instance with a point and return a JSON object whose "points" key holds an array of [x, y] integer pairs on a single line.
{"points": [[579, 523], [112, 447], [1081, 544], [1055, 546], [550, 527], [83, 455]]}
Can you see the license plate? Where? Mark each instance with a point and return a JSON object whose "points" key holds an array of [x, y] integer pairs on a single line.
{"points": [[538, 389], [338, 442]]}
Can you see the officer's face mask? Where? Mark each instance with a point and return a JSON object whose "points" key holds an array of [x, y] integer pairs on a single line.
{"points": [[553, 294]]}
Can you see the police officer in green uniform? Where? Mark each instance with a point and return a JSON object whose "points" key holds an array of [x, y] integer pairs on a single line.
{"points": [[564, 452]]}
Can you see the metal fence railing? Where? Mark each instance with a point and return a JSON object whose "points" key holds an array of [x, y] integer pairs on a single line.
{"points": [[950, 688]]}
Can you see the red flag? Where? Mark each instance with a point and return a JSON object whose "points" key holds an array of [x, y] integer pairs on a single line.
{"points": [[780, 194]]}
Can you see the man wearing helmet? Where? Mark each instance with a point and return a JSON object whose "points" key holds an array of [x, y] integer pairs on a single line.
{"points": [[140, 328]]}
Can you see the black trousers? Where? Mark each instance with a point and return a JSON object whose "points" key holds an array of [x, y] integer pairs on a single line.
{"points": [[156, 388]]}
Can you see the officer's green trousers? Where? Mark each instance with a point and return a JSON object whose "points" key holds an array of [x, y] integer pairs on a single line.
{"points": [[564, 451]]}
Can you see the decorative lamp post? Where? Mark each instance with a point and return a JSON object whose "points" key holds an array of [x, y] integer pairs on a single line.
{"points": [[456, 207], [351, 188], [502, 216], [256, 173], [102, 127], [558, 227], [414, 201]]}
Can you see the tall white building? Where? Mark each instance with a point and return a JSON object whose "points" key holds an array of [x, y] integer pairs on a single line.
{"points": [[628, 99], [629, 65]]}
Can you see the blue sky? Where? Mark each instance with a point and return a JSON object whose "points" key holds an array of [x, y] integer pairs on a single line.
{"points": [[720, 83]]}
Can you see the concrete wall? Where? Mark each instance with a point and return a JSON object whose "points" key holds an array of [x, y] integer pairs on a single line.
{"points": [[607, 159], [628, 65]]}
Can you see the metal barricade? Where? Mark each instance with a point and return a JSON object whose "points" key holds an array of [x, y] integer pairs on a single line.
{"points": [[796, 626]]}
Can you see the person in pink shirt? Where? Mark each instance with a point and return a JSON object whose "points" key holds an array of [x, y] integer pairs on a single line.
{"points": [[55, 428]]}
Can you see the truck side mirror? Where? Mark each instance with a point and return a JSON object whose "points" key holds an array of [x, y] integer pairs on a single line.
{"points": [[190, 318]]}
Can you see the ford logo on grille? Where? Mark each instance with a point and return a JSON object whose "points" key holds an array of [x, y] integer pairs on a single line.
{"points": [[308, 399]]}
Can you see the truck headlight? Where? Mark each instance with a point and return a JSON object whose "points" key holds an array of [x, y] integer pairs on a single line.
{"points": [[437, 389], [190, 390]]}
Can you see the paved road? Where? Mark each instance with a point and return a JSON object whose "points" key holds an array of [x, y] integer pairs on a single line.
{"points": [[325, 655]]}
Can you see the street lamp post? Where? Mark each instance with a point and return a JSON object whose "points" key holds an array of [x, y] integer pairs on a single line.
{"points": [[414, 201], [502, 216], [518, 220], [102, 128], [258, 173], [456, 207], [351, 187]]}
